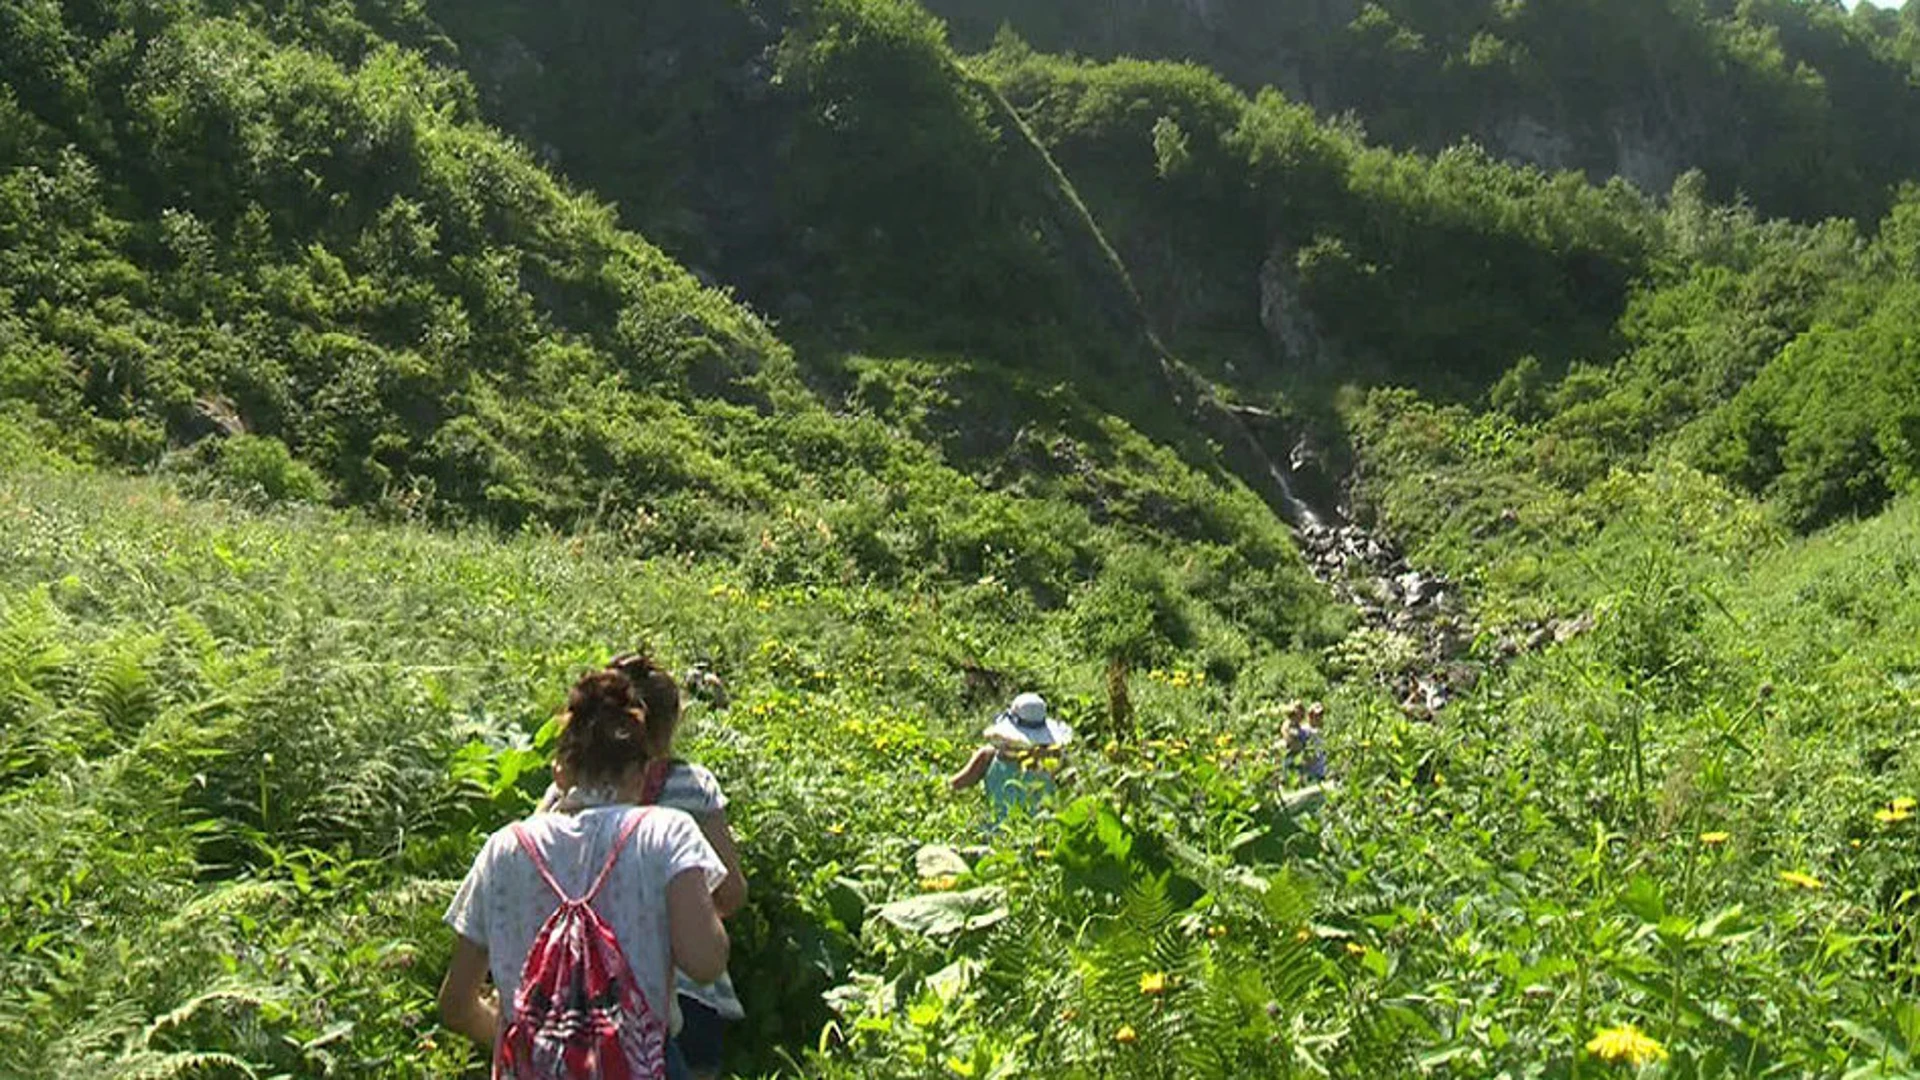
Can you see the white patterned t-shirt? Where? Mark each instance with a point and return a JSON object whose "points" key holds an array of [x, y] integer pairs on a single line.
{"points": [[694, 789], [503, 902]]}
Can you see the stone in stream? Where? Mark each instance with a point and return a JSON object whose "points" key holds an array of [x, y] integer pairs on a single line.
{"points": [[1568, 629]]}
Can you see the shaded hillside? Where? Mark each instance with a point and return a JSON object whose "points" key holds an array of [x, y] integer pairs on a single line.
{"points": [[825, 158], [1264, 237], [1802, 108], [232, 253]]}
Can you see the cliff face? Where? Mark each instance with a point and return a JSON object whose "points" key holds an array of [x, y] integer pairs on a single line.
{"points": [[1802, 110]]}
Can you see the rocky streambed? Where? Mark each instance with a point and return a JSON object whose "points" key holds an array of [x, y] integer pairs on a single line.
{"points": [[1418, 617]]}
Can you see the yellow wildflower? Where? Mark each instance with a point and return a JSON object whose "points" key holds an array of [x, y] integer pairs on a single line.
{"points": [[1805, 881], [1888, 815], [1354, 948], [1906, 804], [1216, 931], [1715, 839], [1625, 1043], [939, 883], [1153, 983], [1126, 1036]]}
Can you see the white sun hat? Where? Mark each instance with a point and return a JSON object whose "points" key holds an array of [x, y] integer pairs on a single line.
{"points": [[1026, 723]]}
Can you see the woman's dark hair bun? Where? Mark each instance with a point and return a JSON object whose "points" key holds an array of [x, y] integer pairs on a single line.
{"points": [[659, 693], [604, 729]]}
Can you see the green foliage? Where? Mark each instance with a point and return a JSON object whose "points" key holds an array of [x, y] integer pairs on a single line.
{"points": [[263, 465], [1801, 107], [272, 252], [310, 723], [1130, 613], [1439, 270]]}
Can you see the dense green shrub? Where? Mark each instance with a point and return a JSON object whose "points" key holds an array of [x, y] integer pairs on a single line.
{"points": [[262, 466]]}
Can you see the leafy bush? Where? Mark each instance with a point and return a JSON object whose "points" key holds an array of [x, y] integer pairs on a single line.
{"points": [[253, 464]]}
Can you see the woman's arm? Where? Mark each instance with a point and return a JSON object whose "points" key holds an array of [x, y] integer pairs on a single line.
{"points": [[731, 894], [975, 768], [693, 927], [464, 1004]]}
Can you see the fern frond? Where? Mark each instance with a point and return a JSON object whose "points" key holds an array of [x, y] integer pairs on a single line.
{"points": [[120, 688], [250, 997], [31, 655], [154, 1065]]}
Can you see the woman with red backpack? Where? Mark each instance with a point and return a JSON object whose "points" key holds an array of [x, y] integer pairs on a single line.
{"points": [[703, 1010], [582, 916]]}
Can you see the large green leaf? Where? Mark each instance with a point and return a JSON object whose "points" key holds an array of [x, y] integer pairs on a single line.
{"points": [[946, 913]]}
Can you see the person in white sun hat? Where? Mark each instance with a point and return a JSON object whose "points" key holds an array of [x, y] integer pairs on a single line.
{"points": [[1022, 752]]}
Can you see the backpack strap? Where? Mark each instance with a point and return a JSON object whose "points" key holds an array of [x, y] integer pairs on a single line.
{"points": [[539, 861], [627, 828], [632, 822]]}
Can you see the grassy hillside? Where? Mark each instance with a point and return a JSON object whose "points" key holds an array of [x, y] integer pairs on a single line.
{"points": [[308, 722], [1294, 260], [215, 230], [1685, 819], [1803, 108], [1263, 235], [857, 386]]}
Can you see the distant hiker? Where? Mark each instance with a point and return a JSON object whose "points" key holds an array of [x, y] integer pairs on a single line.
{"points": [[606, 896], [705, 684], [1301, 736], [705, 1008], [1018, 762]]}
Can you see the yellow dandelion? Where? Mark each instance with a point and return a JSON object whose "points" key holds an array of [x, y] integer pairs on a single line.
{"points": [[1804, 881], [1126, 1036], [1889, 815], [1715, 839], [1354, 948], [1906, 804], [1301, 936], [1625, 1043], [939, 883], [1153, 983], [836, 829]]}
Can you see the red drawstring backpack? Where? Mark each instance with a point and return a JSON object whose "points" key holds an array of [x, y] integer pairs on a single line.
{"points": [[579, 1013]]}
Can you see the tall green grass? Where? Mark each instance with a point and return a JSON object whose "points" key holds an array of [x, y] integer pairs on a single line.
{"points": [[246, 753]]}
